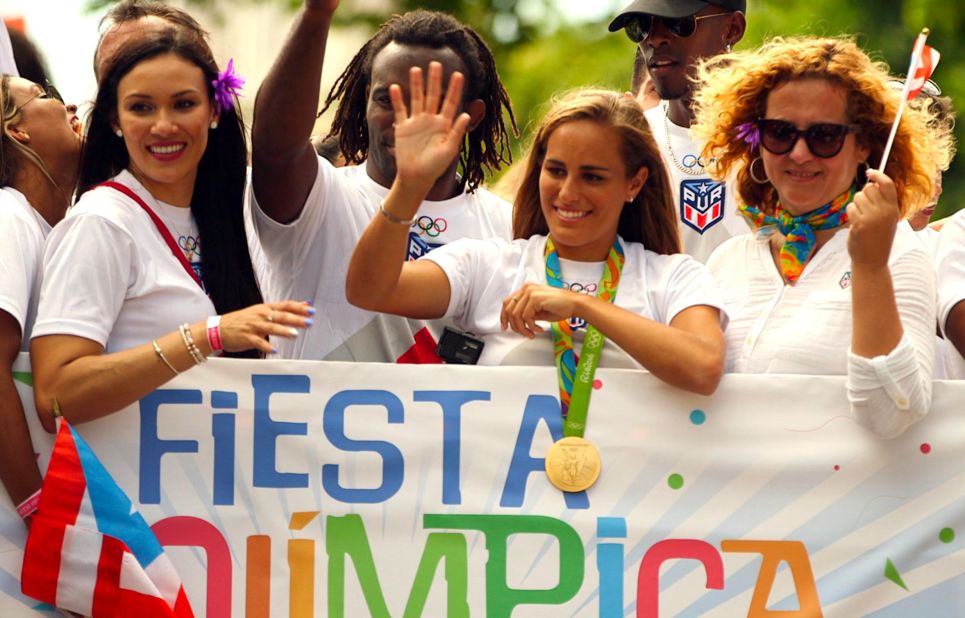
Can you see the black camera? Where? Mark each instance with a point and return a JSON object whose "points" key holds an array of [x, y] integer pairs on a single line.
{"points": [[459, 348]]}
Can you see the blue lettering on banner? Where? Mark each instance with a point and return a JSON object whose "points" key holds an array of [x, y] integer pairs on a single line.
{"points": [[153, 447], [451, 403], [538, 408], [393, 464], [266, 430], [702, 203]]}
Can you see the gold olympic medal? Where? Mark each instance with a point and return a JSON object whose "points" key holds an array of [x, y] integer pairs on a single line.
{"points": [[573, 464]]}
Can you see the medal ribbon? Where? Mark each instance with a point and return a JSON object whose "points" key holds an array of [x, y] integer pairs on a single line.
{"points": [[576, 379]]}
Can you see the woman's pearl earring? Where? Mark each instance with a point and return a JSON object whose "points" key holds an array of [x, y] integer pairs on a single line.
{"points": [[214, 124], [118, 132]]}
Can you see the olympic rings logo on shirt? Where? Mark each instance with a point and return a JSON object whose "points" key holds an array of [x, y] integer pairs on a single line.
{"points": [[691, 161], [589, 288], [431, 227], [189, 245]]}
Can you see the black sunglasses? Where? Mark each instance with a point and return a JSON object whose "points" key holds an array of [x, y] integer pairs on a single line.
{"points": [[639, 26], [824, 140], [47, 91]]}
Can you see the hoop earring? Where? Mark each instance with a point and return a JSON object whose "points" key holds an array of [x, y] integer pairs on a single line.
{"points": [[861, 174], [750, 170]]}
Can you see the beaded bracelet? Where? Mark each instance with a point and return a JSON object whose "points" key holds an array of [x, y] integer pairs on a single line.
{"points": [[29, 506], [214, 333], [164, 359], [188, 340]]}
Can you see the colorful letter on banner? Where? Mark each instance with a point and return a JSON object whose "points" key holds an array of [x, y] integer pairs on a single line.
{"points": [[766, 499], [926, 66], [89, 551]]}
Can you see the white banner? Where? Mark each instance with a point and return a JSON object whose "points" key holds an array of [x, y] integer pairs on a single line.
{"points": [[336, 489]]}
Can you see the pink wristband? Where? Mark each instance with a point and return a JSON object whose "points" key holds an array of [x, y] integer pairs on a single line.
{"points": [[29, 506], [214, 333]]}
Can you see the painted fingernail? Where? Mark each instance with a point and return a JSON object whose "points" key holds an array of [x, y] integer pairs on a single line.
{"points": [[274, 350], [311, 311], [309, 321], [293, 331], [309, 303]]}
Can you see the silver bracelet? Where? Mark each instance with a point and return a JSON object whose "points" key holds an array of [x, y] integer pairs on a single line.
{"points": [[388, 215], [188, 339], [164, 359]]}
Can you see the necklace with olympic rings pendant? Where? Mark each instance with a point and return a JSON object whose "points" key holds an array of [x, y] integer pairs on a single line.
{"points": [[697, 169], [573, 463]]}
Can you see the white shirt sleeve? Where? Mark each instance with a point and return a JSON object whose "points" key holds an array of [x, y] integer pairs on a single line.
{"points": [[890, 393], [19, 250], [950, 266], [87, 270], [459, 260], [690, 284]]}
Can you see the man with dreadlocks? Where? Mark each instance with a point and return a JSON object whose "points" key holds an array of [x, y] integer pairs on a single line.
{"points": [[310, 215]]}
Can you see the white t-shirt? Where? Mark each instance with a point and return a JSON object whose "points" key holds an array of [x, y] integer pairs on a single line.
{"points": [[308, 260], [482, 273], [21, 259], [950, 266], [110, 277], [706, 209], [805, 328]]}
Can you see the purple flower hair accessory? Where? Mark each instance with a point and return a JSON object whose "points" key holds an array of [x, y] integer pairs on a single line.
{"points": [[750, 133], [227, 86]]}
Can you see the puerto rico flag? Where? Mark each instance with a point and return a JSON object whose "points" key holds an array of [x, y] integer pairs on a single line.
{"points": [[89, 551]]}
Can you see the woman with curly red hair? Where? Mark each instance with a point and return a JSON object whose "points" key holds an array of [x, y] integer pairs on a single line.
{"points": [[830, 284]]}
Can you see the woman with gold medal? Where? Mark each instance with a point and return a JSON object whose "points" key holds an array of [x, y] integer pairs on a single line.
{"points": [[593, 217]]}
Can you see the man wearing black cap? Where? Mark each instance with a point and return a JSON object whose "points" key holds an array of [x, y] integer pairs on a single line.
{"points": [[673, 36]]}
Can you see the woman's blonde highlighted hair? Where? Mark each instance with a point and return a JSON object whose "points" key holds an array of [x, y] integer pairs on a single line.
{"points": [[732, 89], [12, 152], [650, 218]]}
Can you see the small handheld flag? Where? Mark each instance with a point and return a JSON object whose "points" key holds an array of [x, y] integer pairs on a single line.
{"points": [[923, 61], [88, 550]]}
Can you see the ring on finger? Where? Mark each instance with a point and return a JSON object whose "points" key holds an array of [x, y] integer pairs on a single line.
{"points": [[271, 317], [514, 299]]}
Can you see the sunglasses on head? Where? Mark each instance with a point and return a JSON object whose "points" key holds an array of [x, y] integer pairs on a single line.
{"points": [[824, 140], [639, 26]]}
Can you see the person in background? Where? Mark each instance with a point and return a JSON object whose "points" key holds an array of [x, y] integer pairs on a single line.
{"points": [[641, 86], [942, 112], [950, 266], [831, 283], [310, 215], [130, 19], [40, 146], [30, 62], [672, 37], [150, 273], [595, 248]]}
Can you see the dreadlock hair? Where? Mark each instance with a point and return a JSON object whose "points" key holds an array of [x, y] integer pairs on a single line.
{"points": [[218, 197], [486, 146]]}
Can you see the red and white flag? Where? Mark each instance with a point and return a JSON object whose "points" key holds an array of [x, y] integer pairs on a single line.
{"points": [[919, 74], [923, 61], [89, 551]]}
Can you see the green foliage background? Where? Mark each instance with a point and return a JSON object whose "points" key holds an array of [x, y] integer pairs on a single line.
{"points": [[540, 52]]}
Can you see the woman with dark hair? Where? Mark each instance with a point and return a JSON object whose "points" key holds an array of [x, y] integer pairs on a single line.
{"points": [[593, 216], [156, 242], [40, 147], [830, 284]]}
